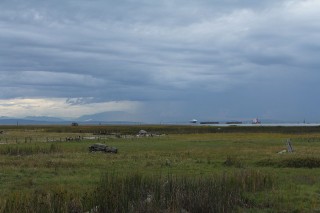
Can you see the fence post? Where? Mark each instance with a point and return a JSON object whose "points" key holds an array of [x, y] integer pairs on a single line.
{"points": [[289, 146]]}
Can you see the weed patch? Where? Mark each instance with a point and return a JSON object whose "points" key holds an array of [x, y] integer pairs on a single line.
{"points": [[298, 162], [233, 161], [22, 149]]}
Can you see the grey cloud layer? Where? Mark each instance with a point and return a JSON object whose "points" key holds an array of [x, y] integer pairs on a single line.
{"points": [[156, 51]]}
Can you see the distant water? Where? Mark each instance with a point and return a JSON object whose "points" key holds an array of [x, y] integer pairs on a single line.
{"points": [[264, 124]]}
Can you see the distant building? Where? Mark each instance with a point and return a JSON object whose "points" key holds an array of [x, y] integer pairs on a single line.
{"points": [[256, 121], [74, 124]]}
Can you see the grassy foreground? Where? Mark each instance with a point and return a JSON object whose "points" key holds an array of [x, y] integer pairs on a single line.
{"points": [[187, 170]]}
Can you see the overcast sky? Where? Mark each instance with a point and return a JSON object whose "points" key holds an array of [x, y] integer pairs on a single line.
{"points": [[159, 61]]}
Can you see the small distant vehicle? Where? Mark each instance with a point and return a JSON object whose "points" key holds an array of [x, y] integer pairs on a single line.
{"points": [[193, 121], [102, 148]]}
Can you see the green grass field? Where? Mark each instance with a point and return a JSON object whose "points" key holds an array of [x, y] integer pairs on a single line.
{"points": [[189, 169]]}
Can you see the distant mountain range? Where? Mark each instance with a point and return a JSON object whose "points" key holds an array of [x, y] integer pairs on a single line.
{"points": [[31, 120], [94, 119]]}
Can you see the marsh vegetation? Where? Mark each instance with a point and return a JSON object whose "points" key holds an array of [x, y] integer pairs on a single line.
{"points": [[187, 169]]}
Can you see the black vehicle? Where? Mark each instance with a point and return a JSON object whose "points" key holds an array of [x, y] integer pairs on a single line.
{"points": [[103, 148]]}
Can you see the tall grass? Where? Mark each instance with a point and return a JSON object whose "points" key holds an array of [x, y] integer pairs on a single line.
{"points": [[57, 200], [23, 149], [138, 193]]}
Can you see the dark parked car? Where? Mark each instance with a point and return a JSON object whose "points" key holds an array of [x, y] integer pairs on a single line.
{"points": [[103, 148]]}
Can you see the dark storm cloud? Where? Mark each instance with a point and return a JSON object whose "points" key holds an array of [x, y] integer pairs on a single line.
{"points": [[158, 52]]}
